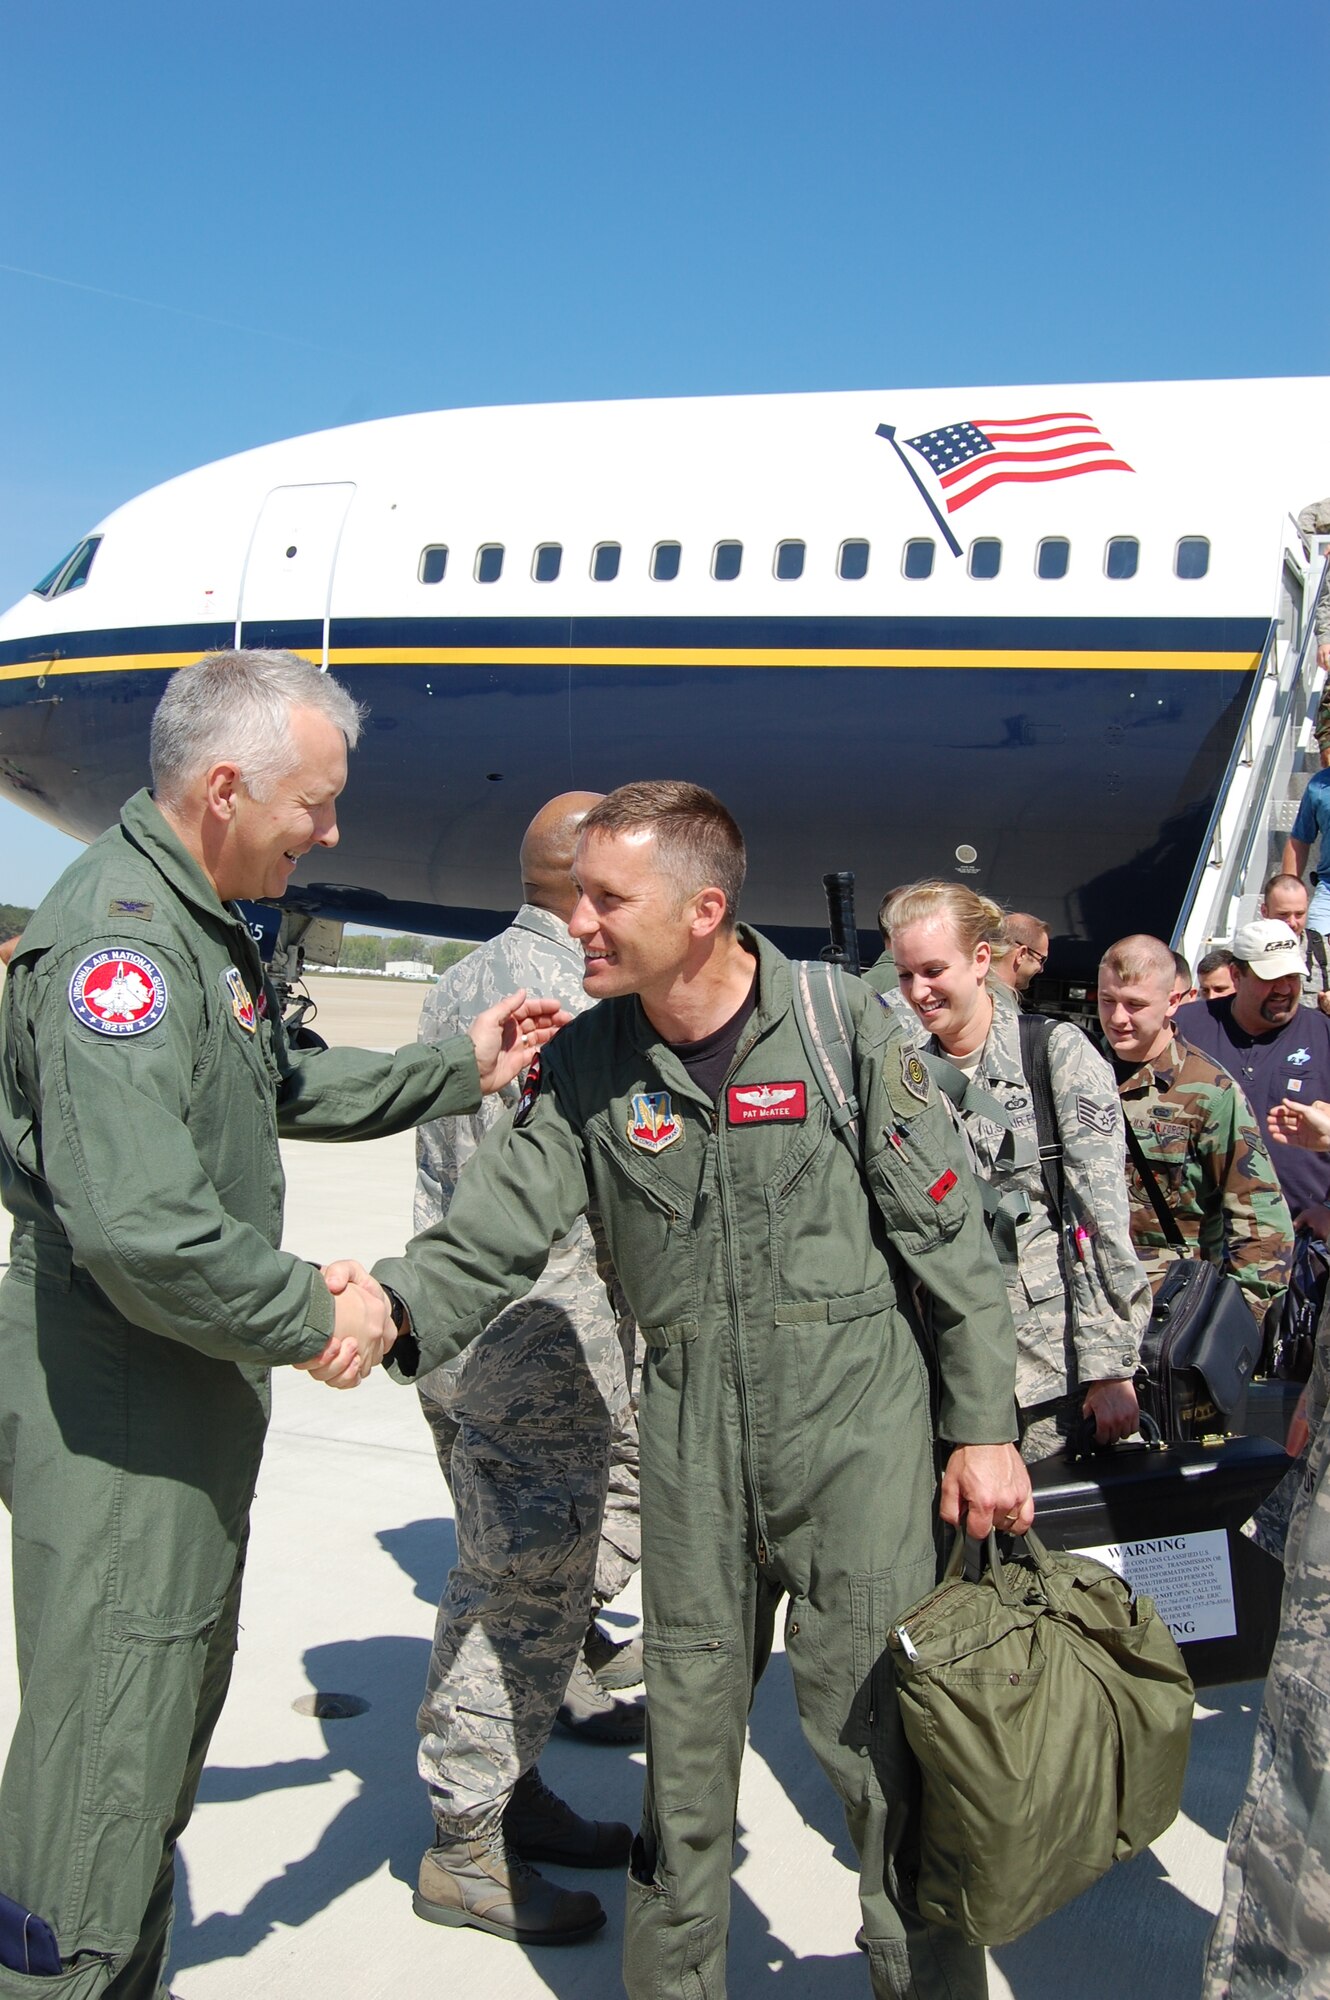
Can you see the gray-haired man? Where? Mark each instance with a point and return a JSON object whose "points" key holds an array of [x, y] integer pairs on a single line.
{"points": [[144, 1077]]}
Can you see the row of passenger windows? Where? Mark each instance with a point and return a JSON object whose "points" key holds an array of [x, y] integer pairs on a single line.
{"points": [[1121, 558]]}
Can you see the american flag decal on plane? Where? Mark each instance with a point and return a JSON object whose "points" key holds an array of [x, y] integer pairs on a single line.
{"points": [[980, 452]]}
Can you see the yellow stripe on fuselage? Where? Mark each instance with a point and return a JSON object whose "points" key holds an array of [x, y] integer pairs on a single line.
{"points": [[1089, 660]]}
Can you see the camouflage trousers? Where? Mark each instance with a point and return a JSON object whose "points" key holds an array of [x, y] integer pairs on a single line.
{"points": [[1271, 1940], [536, 1432]]}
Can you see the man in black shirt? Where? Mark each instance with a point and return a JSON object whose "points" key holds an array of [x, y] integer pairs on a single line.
{"points": [[1276, 1048]]}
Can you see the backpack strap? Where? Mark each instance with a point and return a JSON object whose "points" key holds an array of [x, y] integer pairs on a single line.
{"points": [[1163, 1213], [822, 1015], [1034, 1030]]}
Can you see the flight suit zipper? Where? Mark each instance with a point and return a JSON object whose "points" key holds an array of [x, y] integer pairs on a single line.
{"points": [[740, 1346]]}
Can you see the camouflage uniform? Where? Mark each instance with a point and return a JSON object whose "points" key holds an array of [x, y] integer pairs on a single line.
{"points": [[1079, 1317], [1271, 1939], [1197, 1131], [532, 1424]]}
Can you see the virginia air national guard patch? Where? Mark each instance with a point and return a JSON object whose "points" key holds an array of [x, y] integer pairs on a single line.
{"points": [[242, 1000], [118, 993], [913, 1075], [652, 1125], [530, 1092]]}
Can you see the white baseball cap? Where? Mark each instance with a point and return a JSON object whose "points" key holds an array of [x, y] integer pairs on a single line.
{"points": [[1269, 948]]}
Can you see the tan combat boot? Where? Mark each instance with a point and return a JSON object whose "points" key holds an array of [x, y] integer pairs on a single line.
{"points": [[482, 1882]]}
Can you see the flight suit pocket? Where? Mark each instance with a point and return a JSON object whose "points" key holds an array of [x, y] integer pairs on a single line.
{"points": [[911, 1188], [648, 1223], [154, 1680], [515, 1527], [692, 1695], [876, 1603]]}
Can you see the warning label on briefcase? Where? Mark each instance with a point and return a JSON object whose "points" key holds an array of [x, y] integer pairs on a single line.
{"points": [[1188, 1576]]}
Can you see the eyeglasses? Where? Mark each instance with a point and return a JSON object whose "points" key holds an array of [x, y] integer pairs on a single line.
{"points": [[1040, 957]]}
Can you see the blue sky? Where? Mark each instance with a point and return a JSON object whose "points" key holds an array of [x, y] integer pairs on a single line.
{"points": [[270, 218]]}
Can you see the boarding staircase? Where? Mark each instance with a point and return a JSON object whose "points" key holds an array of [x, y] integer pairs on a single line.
{"points": [[1271, 762]]}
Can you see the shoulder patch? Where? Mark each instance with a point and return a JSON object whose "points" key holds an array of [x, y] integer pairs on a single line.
{"points": [[124, 906], [913, 1074], [530, 1092], [1097, 1117], [242, 1000], [118, 993]]}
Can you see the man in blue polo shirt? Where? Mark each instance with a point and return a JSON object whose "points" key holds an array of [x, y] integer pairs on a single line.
{"points": [[1312, 825], [1276, 1048]]}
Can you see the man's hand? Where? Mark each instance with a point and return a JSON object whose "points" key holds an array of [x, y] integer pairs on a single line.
{"points": [[1314, 1220], [507, 1035], [1113, 1409], [1296, 1124], [1323, 655], [363, 1329], [988, 1486]]}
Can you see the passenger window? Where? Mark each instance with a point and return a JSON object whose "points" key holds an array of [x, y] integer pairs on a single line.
{"points": [[789, 560], [605, 561], [489, 562], [917, 561], [549, 558], [665, 561], [1121, 557], [1052, 557], [1192, 559], [852, 561], [727, 561], [985, 557], [433, 563]]}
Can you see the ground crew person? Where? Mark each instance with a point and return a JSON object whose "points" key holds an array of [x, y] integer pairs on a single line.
{"points": [[1196, 1132], [785, 1426], [525, 1424], [144, 1077], [1077, 1292]]}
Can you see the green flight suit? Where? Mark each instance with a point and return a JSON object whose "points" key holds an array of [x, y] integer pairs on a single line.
{"points": [[785, 1426], [144, 1304]]}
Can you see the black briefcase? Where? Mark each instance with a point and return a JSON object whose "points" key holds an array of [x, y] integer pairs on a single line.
{"points": [[1169, 1519]]}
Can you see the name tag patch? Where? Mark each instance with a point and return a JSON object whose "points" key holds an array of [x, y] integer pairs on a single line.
{"points": [[758, 1103], [652, 1125], [118, 993]]}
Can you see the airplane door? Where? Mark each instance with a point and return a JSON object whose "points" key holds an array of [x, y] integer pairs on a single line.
{"points": [[286, 589]]}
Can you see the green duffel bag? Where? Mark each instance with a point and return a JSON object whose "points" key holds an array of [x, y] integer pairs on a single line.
{"points": [[1050, 1713]]}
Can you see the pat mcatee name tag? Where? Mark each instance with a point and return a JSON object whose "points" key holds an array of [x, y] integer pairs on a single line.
{"points": [[760, 1103]]}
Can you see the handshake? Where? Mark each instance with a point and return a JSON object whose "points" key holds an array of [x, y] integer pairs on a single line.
{"points": [[363, 1329], [505, 1037]]}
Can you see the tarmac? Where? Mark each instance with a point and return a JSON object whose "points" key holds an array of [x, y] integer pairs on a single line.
{"points": [[296, 1873]]}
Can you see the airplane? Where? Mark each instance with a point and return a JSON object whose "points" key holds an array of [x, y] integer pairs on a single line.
{"points": [[1027, 637]]}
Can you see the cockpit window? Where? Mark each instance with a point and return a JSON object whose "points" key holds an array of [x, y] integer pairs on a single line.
{"points": [[71, 572]]}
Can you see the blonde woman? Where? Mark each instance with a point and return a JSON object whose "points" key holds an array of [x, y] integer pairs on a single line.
{"points": [[1078, 1294]]}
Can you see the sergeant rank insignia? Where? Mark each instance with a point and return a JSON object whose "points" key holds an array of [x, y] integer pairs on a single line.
{"points": [[118, 993], [242, 1000], [652, 1125]]}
